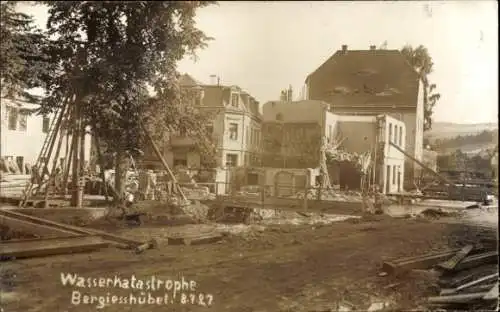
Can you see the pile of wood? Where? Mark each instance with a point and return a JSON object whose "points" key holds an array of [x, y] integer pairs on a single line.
{"points": [[459, 279], [13, 185]]}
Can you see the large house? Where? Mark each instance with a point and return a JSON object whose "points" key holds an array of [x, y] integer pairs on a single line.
{"points": [[235, 127], [372, 82], [295, 132]]}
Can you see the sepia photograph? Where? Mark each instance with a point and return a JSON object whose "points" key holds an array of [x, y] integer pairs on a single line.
{"points": [[249, 156]]}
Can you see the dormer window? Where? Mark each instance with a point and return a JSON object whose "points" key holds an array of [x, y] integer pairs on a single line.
{"points": [[235, 98]]}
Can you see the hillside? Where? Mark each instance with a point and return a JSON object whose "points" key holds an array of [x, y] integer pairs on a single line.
{"points": [[446, 130], [470, 139]]}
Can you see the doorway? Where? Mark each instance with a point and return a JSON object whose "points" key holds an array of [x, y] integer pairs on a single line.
{"points": [[388, 180]]}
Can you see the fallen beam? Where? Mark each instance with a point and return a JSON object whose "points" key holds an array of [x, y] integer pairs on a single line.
{"points": [[477, 260], [42, 248], [71, 228], [462, 298], [459, 256], [470, 284], [195, 239], [492, 294], [33, 228], [418, 262]]}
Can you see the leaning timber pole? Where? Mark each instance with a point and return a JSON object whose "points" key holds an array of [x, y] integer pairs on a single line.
{"points": [[76, 198]]}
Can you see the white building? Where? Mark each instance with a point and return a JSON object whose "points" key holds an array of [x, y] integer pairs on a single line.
{"points": [[23, 134]]}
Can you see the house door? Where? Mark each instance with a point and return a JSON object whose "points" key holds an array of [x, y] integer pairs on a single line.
{"points": [[388, 180], [20, 163]]}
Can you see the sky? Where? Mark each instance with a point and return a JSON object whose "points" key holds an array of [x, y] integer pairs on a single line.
{"points": [[264, 47]]}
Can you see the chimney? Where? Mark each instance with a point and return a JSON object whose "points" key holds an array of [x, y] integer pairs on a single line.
{"points": [[283, 96], [213, 79], [289, 94], [372, 47], [344, 48]]}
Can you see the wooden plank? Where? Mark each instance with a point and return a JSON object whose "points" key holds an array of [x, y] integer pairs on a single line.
{"points": [[33, 228], [470, 284], [461, 298], [195, 240], [478, 260], [74, 229], [459, 256], [492, 294], [420, 262], [43, 248]]}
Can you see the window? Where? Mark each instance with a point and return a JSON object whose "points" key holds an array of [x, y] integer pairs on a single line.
{"points": [[210, 130], [12, 113], [390, 132], [393, 174], [279, 116], [395, 134], [401, 136], [235, 99], [247, 134], [197, 100], [23, 121], [233, 131], [45, 124], [231, 160]]}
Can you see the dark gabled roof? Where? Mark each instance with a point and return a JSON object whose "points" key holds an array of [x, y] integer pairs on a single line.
{"points": [[187, 80], [365, 76]]}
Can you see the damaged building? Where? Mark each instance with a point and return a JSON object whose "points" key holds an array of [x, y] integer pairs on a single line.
{"points": [[373, 82], [296, 134]]}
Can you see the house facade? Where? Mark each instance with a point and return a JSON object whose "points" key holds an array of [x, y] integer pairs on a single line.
{"points": [[235, 128], [293, 133], [373, 82], [23, 133]]}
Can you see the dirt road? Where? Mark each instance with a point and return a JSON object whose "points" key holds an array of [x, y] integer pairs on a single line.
{"points": [[290, 268]]}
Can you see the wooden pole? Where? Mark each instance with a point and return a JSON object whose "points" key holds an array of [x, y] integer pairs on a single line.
{"points": [[75, 202], [54, 137], [54, 162], [164, 162]]}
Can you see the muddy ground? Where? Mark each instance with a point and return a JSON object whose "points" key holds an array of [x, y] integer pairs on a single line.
{"points": [[277, 268]]}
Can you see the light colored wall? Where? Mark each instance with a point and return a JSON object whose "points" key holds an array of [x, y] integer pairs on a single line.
{"points": [[28, 144], [419, 128], [330, 127], [394, 157]]}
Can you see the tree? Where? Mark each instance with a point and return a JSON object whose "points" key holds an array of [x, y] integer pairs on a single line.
{"points": [[24, 62], [422, 62], [108, 54]]}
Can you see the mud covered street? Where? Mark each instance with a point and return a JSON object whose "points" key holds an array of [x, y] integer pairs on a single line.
{"points": [[286, 268]]}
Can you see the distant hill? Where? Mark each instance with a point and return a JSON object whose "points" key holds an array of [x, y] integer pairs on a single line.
{"points": [[471, 139], [447, 130]]}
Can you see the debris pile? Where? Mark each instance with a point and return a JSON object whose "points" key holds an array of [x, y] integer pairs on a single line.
{"points": [[464, 278]]}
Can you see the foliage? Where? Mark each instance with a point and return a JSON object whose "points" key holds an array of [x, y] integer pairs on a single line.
{"points": [[24, 60], [109, 53], [484, 137], [421, 61], [460, 161]]}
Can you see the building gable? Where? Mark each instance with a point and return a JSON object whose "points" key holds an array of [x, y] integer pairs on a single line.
{"points": [[376, 77]]}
